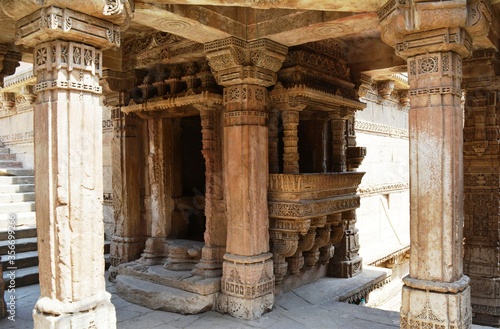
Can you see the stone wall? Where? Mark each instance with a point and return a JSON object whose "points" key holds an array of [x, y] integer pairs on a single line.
{"points": [[383, 217]]}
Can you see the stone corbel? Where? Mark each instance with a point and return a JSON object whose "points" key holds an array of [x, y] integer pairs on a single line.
{"points": [[385, 88], [116, 84], [9, 60], [8, 100], [322, 238], [284, 236]]}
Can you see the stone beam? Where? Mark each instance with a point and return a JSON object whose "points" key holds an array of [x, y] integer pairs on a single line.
{"points": [[310, 26], [339, 5], [177, 21]]}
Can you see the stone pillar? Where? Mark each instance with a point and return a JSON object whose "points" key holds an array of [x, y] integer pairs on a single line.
{"points": [[436, 293], [160, 159], [274, 167], [127, 242], [481, 182], [290, 141], [346, 261], [213, 251], [245, 69], [339, 142], [68, 160]]}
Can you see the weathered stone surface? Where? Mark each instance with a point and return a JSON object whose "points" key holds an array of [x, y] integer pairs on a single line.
{"points": [[160, 297]]}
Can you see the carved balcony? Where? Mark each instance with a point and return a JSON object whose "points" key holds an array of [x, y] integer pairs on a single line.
{"points": [[303, 223]]}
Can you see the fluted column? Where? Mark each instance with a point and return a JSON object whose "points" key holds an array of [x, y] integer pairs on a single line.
{"points": [[68, 161], [210, 264], [481, 182], [245, 69], [436, 292]]}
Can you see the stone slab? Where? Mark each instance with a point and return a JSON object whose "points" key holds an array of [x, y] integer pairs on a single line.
{"points": [[159, 297]]}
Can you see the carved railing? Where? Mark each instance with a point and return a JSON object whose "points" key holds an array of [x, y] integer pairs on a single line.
{"points": [[305, 217]]}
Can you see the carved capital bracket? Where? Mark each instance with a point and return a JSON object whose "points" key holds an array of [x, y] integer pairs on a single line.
{"points": [[116, 84], [52, 23], [9, 60], [414, 27], [234, 61]]}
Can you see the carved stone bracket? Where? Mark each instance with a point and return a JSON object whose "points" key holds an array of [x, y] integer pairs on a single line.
{"points": [[235, 61], [9, 60]]}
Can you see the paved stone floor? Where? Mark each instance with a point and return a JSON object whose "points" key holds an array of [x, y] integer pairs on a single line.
{"points": [[308, 307]]}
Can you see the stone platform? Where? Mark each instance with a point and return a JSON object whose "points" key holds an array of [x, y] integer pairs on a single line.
{"points": [[312, 306]]}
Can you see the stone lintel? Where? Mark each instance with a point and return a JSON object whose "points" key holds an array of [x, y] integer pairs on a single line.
{"points": [[236, 61], [52, 23]]}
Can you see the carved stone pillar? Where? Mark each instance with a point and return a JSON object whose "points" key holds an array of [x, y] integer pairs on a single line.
{"points": [[127, 242], [274, 167], [290, 141], [245, 69], [346, 261], [436, 293], [213, 251], [161, 204], [68, 163], [481, 182], [339, 143]]}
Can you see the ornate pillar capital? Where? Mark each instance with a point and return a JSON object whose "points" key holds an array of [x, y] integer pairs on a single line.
{"points": [[235, 61], [414, 26], [53, 23], [116, 84]]}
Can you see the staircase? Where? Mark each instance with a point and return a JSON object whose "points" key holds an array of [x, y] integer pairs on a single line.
{"points": [[17, 211]]}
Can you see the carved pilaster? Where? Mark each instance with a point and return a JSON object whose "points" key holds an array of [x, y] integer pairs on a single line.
{"points": [[245, 69], [127, 242], [481, 181], [211, 261], [8, 101]]}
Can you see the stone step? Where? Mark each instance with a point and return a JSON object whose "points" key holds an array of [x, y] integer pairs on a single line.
{"points": [[20, 245], [20, 219], [159, 297], [4, 150], [21, 260], [20, 233], [17, 197], [16, 188], [15, 207], [16, 172], [23, 277], [10, 164], [7, 156], [30, 179]]}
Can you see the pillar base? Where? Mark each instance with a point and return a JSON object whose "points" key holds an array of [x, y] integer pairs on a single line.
{"points": [[485, 302], [210, 264], [248, 309], [346, 268], [247, 286], [430, 309], [100, 315], [155, 251]]}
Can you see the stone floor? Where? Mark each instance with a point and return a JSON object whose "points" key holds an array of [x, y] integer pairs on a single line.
{"points": [[311, 306]]}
